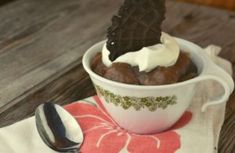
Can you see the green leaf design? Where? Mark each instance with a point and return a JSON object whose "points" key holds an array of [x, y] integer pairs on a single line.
{"points": [[138, 103]]}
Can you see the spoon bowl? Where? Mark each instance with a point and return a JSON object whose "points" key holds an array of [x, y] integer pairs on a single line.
{"points": [[58, 128]]}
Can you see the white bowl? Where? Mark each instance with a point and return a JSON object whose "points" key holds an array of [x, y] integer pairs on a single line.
{"points": [[151, 109]]}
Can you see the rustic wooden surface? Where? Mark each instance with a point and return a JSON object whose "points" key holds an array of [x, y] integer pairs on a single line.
{"points": [[224, 4], [42, 42], [3, 2]]}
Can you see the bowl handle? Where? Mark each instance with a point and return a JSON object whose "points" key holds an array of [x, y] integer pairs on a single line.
{"points": [[214, 72]]}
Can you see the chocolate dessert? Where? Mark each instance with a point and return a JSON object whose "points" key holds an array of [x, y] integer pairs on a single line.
{"points": [[183, 70], [137, 24], [138, 52]]}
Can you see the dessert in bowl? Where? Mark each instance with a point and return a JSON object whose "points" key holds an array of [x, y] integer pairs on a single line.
{"points": [[155, 108], [140, 82], [143, 68]]}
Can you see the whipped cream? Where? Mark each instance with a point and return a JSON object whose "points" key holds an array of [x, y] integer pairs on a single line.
{"points": [[163, 54]]}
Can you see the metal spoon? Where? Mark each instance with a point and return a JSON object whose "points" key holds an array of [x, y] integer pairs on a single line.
{"points": [[58, 129]]}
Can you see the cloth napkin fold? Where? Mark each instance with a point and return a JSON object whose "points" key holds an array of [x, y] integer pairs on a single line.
{"points": [[195, 132]]}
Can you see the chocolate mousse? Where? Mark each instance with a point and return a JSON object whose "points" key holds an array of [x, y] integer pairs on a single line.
{"points": [[183, 70]]}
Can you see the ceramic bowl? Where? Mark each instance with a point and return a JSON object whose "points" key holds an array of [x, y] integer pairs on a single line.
{"points": [[151, 109]]}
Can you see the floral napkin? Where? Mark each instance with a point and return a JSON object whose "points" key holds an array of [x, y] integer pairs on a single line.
{"points": [[103, 135], [195, 132]]}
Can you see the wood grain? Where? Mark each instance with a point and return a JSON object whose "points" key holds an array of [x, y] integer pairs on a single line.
{"points": [[225, 4], [42, 42], [73, 85], [4, 2]]}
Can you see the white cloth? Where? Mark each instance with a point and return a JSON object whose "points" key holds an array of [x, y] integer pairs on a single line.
{"points": [[22, 137], [202, 132], [205, 127]]}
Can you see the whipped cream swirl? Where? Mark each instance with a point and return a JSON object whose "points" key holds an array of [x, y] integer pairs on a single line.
{"points": [[163, 54]]}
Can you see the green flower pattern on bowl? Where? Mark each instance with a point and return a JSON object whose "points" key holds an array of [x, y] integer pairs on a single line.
{"points": [[152, 103]]}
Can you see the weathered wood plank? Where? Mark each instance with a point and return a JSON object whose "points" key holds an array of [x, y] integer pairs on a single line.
{"points": [[227, 136], [47, 41], [225, 4], [73, 85], [4, 2]]}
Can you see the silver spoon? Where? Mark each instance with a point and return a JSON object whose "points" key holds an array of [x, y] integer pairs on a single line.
{"points": [[58, 129]]}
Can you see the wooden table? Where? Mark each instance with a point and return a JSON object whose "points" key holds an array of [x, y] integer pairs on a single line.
{"points": [[42, 43]]}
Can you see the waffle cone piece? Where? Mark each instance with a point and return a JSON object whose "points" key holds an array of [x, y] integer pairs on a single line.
{"points": [[137, 25]]}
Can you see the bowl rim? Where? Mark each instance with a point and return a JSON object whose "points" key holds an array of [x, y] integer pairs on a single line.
{"points": [[200, 54]]}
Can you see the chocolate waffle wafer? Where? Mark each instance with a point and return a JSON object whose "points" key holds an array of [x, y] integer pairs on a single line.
{"points": [[137, 25]]}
